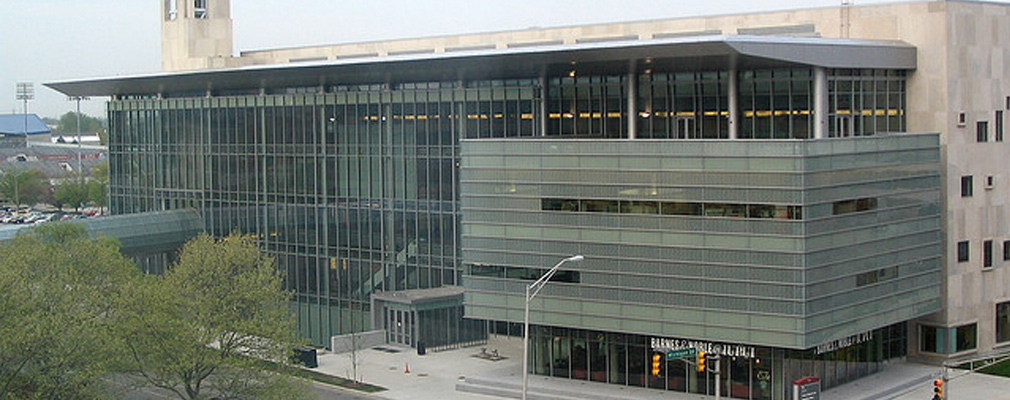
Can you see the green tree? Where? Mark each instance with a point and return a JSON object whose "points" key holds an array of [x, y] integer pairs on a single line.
{"points": [[89, 124], [60, 296], [24, 186], [200, 329], [98, 185], [71, 191]]}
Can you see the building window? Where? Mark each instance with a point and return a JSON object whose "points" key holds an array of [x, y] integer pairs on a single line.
{"points": [[962, 118], [962, 251], [1003, 322], [851, 206], [987, 254], [929, 339], [880, 275], [966, 338], [982, 131], [171, 9], [694, 209], [200, 9], [1006, 250], [999, 125], [966, 186]]}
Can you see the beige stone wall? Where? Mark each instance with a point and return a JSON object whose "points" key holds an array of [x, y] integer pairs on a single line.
{"points": [[978, 83], [189, 43]]}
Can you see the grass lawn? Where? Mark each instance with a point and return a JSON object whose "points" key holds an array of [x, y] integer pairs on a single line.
{"points": [[1001, 369], [323, 378]]}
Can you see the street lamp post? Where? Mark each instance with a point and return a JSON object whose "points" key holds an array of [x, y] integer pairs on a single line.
{"points": [[531, 291], [80, 170]]}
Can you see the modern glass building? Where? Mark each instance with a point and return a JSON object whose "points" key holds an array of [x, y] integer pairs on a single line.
{"points": [[753, 197]]}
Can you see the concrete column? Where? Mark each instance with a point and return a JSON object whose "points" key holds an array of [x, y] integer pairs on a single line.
{"points": [[543, 105], [632, 107], [734, 104], [820, 103]]}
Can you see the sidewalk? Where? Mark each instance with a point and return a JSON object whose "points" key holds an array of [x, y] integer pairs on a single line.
{"points": [[459, 375]]}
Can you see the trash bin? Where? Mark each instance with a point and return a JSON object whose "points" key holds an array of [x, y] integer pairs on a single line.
{"points": [[421, 350], [305, 356]]}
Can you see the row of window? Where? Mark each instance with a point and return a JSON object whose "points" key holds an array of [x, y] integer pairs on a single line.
{"points": [[968, 184], [674, 208], [735, 210], [982, 127], [934, 339], [521, 273], [964, 252]]}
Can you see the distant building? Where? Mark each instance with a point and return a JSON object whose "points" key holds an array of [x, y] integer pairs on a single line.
{"points": [[807, 192], [15, 129], [85, 139]]}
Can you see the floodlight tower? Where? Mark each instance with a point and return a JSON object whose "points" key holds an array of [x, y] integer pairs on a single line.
{"points": [[25, 92]]}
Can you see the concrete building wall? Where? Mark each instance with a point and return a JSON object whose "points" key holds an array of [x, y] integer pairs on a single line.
{"points": [[977, 78]]}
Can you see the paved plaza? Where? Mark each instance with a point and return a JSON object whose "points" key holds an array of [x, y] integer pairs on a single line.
{"points": [[461, 375]]}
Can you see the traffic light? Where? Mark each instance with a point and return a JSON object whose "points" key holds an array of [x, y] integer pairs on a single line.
{"points": [[701, 361], [938, 389], [656, 362]]}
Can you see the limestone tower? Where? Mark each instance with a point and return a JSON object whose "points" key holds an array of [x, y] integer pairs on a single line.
{"points": [[195, 34]]}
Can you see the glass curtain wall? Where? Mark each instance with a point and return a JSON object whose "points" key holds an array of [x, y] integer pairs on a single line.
{"points": [[626, 359], [686, 105], [354, 189], [352, 192], [866, 102]]}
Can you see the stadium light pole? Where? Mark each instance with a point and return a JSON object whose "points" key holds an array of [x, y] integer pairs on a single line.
{"points": [[531, 291], [25, 92]]}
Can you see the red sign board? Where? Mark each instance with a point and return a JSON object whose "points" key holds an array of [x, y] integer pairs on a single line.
{"points": [[808, 388]]}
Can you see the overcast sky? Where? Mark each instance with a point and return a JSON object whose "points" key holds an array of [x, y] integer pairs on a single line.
{"points": [[54, 40]]}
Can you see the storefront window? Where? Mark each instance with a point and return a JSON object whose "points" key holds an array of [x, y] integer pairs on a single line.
{"points": [[636, 364], [618, 359], [597, 357], [739, 378], [761, 376]]}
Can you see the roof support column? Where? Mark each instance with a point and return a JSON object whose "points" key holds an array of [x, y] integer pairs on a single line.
{"points": [[632, 106], [543, 105], [820, 103], [734, 104]]}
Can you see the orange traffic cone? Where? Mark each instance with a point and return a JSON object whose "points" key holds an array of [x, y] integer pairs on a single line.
{"points": [[406, 368]]}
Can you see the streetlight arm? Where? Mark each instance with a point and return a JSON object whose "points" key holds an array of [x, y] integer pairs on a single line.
{"points": [[540, 283]]}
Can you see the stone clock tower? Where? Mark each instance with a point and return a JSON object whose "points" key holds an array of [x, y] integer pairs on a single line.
{"points": [[196, 34]]}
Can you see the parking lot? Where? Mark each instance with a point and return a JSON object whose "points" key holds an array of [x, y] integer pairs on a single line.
{"points": [[19, 216]]}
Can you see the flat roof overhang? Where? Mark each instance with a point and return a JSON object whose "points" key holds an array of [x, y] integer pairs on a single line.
{"points": [[606, 58]]}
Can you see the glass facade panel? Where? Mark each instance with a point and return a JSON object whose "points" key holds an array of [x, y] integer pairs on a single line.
{"points": [[759, 373], [356, 189]]}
